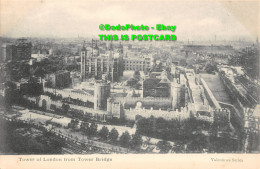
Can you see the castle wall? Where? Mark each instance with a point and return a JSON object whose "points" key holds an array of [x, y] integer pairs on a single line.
{"points": [[71, 94], [58, 104], [146, 101], [183, 114], [205, 118]]}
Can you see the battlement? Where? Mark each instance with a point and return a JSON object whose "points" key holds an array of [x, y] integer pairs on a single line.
{"points": [[69, 93], [205, 118], [155, 102], [222, 115], [129, 99], [183, 114], [50, 102], [224, 110]]}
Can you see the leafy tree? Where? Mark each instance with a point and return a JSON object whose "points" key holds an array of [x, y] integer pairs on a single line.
{"points": [[250, 62], [84, 127], [146, 126], [198, 142], [103, 133], [34, 146], [164, 146], [93, 129], [132, 82], [183, 62], [73, 123], [210, 67], [137, 86], [137, 75], [125, 139], [65, 108], [136, 141], [113, 135]]}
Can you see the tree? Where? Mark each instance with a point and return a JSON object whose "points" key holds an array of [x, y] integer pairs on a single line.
{"points": [[113, 135], [73, 123], [146, 126], [183, 62], [137, 86], [210, 68], [84, 127], [164, 146], [136, 141], [132, 82], [93, 129], [198, 142], [103, 133], [125, 139], [65, 108], [137, 75]]}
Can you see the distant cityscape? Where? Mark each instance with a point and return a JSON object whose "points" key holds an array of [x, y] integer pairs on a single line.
{"points": [[85, 96]]}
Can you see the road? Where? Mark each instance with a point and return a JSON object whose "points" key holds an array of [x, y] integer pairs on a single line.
{"points": [[38, 118]]}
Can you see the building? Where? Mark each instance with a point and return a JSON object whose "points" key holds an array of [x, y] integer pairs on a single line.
{"points": [[60, 79], [101, 94], [164, 92], [96, 65], [213, 49], [153, 87], [158, 85], [138, 63], [241, 89], [21, 50], [8, 51], [252, 119], [39, 57]]}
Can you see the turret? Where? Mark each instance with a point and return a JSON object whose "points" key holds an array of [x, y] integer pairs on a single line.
{"points": [[109, 106], [101, 93]]}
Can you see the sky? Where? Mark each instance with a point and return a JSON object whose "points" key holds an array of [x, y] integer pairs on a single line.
{"points": [[194, 20]]}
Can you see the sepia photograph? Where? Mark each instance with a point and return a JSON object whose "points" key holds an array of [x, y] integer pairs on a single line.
{"points": [[103, 78]]}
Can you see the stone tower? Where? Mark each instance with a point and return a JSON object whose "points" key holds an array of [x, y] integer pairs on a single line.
{"points": [[176, 95], [101, 94]]}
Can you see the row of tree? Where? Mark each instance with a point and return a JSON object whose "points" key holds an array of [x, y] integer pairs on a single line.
{"points": [[188, 132], [91, 130], [125, 140], [15, 139]]}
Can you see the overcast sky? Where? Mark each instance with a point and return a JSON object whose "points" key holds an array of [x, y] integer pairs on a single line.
{"points": [[193, 20]]}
